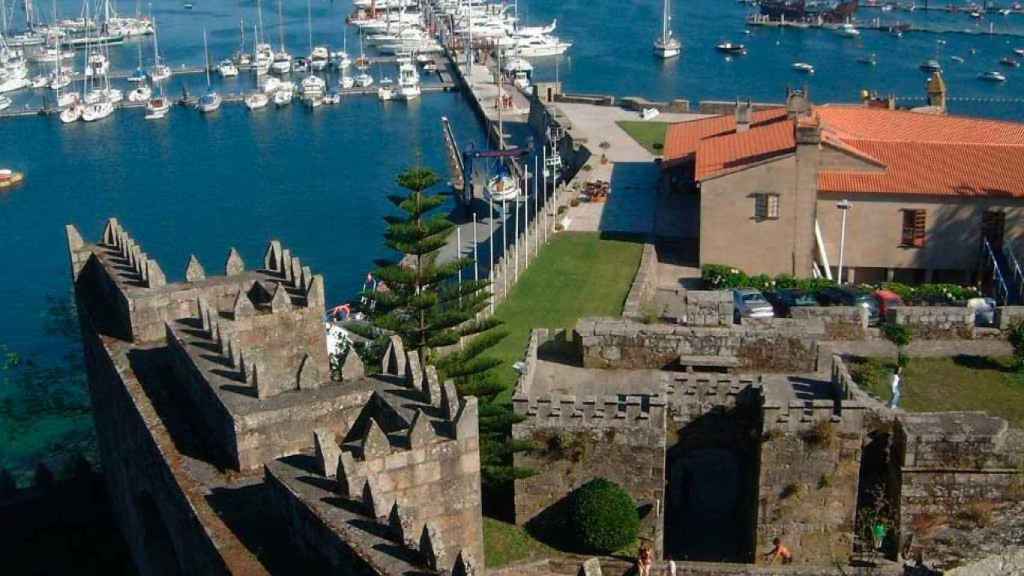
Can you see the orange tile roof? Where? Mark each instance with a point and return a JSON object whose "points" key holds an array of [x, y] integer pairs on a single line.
{"points": [[681, 139], [908, 152], [735, 149]]}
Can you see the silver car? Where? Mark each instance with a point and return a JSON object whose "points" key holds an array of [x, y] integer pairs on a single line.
{"points": [[750, 303]]}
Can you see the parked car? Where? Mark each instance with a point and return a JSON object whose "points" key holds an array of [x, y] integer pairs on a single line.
{"points": [[886, 300], [788, 298], [846, 296], [984, 311], [750, 303]]}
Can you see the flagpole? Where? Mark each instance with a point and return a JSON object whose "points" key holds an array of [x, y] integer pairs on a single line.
{"points": [[515, 239], [490, 271], [504, 249], [526, 214], [536, 209], [476, 258], [458, 244]]}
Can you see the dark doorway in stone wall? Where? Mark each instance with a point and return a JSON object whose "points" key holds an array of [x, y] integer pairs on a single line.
{"points": [[710, 495], [161, 558]]}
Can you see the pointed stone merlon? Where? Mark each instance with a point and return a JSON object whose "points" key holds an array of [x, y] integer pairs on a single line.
{"points": [[308, 376], [394, 358], [351, 476], [234, 265], [112, 233], [353, 368], [286, 264], [403, 526], [449, 400], [327, 452], [467, 423], [432, 547], [413, 371], [154, 274], [315, 294], [297, 272], [421, 432], [77, 252], [431, 387], [281, 301], [243, 305], [376, 502], [375, 444], [194, 271], [465, 565], [272, 257], [205, 313]]}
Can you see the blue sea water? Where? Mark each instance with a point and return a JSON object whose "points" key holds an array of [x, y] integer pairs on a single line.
{"points": [[317, 179]]}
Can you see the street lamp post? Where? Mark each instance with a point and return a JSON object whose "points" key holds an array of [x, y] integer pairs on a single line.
{"points": [[843, 205]]}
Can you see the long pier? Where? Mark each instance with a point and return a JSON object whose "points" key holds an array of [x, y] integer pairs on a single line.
{"points": [[876, 24]]}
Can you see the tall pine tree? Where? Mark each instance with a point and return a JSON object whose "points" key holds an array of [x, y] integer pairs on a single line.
{"points": [[423, 303]]}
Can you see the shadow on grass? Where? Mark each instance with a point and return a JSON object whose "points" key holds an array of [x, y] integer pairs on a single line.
{"points": [[982, 363]]}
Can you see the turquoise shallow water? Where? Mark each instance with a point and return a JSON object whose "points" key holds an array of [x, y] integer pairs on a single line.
{"points": [[317, 180]]}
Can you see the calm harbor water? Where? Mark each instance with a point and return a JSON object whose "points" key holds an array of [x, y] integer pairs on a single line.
{"points": [[317, 179]]}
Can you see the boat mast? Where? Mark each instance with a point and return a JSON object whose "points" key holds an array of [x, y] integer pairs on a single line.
{"points": [[664, 23], [309, 24], [280, 23], [206, 51], [156, 50], [259, 18]]}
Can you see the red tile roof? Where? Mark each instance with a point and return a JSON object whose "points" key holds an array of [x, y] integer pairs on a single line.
{"points": [[905, 152]]}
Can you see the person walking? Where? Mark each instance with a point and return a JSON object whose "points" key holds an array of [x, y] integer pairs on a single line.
{"points": [[894, 386], [644, 560]]}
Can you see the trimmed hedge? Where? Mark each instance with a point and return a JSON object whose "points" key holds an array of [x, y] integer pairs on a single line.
{"points": [[719, 277], [603, 517]]}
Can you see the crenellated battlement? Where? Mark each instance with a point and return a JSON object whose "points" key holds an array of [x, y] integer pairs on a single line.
{"points": [[567, 411]]}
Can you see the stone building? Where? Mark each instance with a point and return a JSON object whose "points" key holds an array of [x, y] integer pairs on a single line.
{"points": [[924, 189], [228, 444]]}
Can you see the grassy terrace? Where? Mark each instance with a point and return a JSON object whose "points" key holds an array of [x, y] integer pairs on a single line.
{"points": [[949, 384], [577, 274], [650, 135]]}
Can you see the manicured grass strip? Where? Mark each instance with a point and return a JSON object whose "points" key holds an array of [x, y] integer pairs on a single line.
{"points": [[650, 135], [506, 544], [577, 274], [950, 384]]}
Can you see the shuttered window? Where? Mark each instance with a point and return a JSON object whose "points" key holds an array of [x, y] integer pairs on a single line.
{"points": [[913, 228], [766, 206]]}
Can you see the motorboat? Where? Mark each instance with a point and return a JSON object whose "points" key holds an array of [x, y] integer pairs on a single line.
{"points": [[313, 85], [71, 114], [363, 80], [408, 82], [1010, 62], [930, 65], [848, 30], [870, 60], [957, 59], [346, 82], [97, 110], [140, 94], [519, 70], [227, 69], [385, 92], [157, 108], [992, 76], [282, 63], [112, 95], [319, 58], [502, 188], [803, 67], [40, 81], [731, 48], [283, 96], [256, 100], [540, 46], [334, 98], [67, 99], [269, 84], [300, 65]]}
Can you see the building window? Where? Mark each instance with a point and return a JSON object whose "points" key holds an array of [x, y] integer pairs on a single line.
{"points": [[766, 206], [913, 228]]}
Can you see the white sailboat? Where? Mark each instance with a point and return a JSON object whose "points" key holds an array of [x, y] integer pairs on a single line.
{"points": [[256, 100], [210, 101], [282, 63], [667, 46], [158, 72], [313, 86]]}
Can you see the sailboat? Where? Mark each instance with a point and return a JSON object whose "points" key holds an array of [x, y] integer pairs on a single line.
{"points": [[263, 54], [341, 59], [210, 101], [158, 72], [313, 86], [363, 79], [666, 46], [282, 59]]}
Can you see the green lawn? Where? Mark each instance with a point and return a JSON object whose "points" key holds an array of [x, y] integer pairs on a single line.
{"points": [[506, 544], [650, 135], [578, 274], [948, 384]]}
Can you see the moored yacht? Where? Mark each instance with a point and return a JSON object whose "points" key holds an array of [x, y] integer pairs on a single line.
{"points": [[284, 94], [313, 85], [408, 82], [731, 48], [666, 46], [97, 110], [385, 92], [227, 69], [70, 114], [157, 107], [256, 100], [141, 93], [803, 67], [211, 101], [992, 76]]}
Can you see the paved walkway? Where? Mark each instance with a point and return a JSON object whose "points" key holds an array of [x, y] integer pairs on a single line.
{"points": [[630, 169]]}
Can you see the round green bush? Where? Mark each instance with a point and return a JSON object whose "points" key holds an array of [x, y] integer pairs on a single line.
{"points": [[602, 517]]}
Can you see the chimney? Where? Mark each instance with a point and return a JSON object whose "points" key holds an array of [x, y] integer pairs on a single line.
{"points": [[743, 116], [798, 103]]}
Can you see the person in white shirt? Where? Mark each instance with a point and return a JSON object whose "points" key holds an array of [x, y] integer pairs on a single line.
{"points": [[894, 386]]}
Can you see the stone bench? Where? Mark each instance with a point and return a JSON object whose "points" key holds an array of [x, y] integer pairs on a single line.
{"points": [[726, 363]]}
